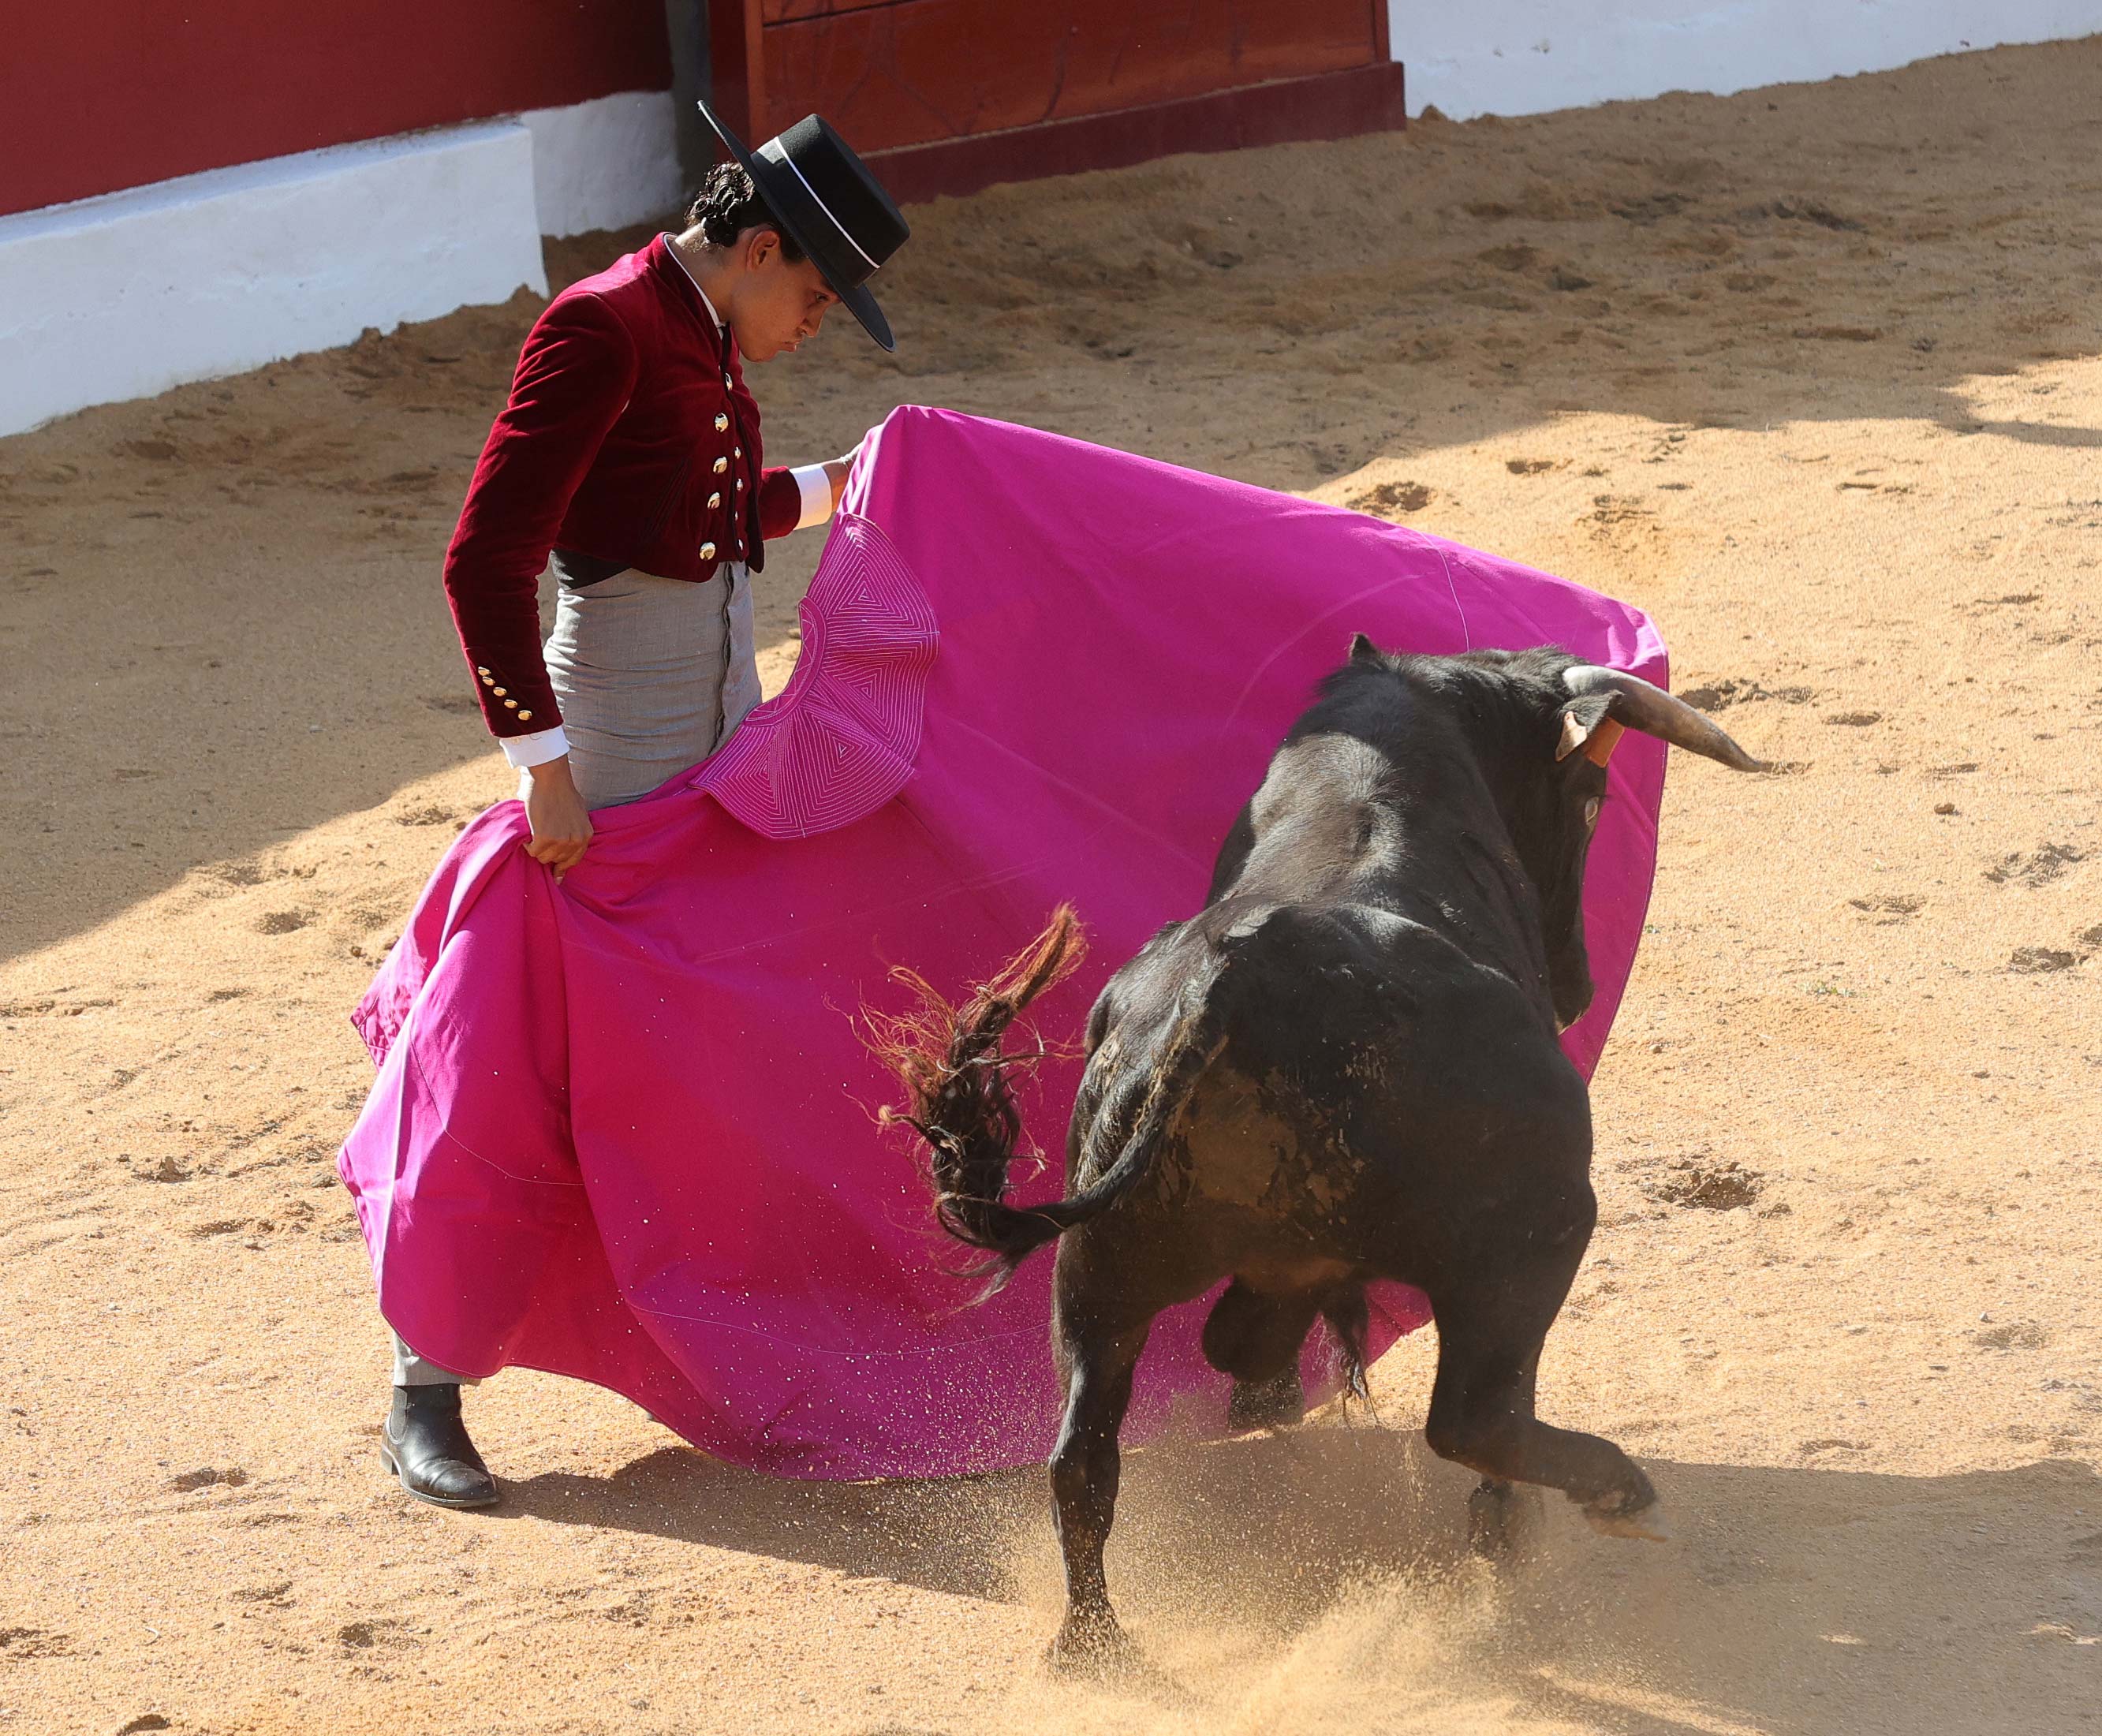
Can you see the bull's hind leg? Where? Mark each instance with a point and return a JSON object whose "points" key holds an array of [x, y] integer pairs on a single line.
{"points": [[1098, 1358], [1490, 1331], [1112, 1276], [1494, 1518], [1500, 1512]]}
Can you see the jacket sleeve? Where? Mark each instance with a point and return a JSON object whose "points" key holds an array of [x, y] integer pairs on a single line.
{"points": [[575, 377], [780, 502]]}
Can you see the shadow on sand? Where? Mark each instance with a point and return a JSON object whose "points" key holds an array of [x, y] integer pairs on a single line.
{"points": [[1326, 1568]]}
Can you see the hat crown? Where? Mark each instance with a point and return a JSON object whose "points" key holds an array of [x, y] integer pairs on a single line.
{"points": [[872, 226]]}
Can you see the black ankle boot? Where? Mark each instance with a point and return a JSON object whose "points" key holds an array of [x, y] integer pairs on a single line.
{"points": [[426, 1445]]}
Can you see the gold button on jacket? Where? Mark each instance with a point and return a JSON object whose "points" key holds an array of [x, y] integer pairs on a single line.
{"points": [[722, 423], [720, 465], [707, 551]]}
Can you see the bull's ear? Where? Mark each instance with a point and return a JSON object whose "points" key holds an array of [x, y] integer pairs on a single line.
{"points": [[1364, 650], [1586, 727]]}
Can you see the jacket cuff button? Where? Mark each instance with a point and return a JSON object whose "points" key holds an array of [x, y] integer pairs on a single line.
{"points": [[511, 704], [524, 717]]}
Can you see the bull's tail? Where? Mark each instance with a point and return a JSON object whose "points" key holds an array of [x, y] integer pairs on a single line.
{"points": [[1012, 1232], [960, 1102], [957, 1096]]}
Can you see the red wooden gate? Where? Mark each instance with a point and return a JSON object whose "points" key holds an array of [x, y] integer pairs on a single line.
{"points": [[948, 95]]}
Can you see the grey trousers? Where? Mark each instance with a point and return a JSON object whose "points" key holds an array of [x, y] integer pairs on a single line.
{"points": [[652, 675], [412, 1370]]}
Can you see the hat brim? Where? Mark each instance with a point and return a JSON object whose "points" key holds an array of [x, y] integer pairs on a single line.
{"points": [[855, 297]]}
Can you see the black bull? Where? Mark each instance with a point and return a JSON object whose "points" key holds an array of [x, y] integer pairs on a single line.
{"points": [[1344, 1068]]}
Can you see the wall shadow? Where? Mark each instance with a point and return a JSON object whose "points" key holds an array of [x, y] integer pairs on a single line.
{"points": [[1796, 1600]]}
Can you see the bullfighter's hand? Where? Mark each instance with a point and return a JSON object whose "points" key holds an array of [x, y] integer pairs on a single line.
{"points": [[836, 468], [561, 822]]}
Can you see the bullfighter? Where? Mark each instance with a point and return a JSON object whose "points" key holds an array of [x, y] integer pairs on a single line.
{"points": [[629, 459]]}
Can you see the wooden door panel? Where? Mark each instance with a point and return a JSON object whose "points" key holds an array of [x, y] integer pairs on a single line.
{"points": [[782, 12], [916, 71]]}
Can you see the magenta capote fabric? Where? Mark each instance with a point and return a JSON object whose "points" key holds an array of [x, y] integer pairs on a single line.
{"points": [[623, 1128]]}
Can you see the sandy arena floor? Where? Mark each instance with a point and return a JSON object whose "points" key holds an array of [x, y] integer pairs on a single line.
{"points": [[1813, 373]]}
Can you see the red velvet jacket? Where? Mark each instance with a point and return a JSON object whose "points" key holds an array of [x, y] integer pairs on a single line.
{"points": [[630, 437]]}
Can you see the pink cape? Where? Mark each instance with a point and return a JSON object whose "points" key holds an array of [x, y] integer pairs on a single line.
{"points": [[623, 1129]]}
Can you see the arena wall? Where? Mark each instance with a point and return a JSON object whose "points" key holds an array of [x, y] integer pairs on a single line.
{"points": [[213, 273], [190, 191], [1527, 56], [124, 93], [186, 192]]}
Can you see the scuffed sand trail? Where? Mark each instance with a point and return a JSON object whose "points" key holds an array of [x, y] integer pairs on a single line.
{"points": [[1813, 374]]}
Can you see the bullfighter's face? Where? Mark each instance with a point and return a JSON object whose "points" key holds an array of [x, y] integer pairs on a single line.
{"points": [[780, 302]]}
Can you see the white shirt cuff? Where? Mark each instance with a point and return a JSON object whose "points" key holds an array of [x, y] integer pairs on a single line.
{"points": [[535, 749], [817, 494]]}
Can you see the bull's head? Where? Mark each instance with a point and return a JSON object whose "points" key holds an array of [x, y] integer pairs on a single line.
{"points": [[1542, 725], [1594, 706]]}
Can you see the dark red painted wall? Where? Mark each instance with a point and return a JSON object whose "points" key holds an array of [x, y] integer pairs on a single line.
{"points": [[97, 95]]}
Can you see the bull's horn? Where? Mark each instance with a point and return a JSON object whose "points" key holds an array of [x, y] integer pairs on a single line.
{"points": [[1642, 705]]}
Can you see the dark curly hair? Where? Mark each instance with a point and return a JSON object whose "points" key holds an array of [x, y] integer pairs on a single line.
{"points": [[728, 204]]}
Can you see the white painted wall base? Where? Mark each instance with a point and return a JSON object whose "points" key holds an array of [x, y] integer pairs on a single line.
{"points": [[130, 294], [1526, 56], [605, 164]]}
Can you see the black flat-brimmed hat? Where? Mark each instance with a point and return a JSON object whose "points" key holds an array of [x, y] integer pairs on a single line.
{"points": [[830, 205]]}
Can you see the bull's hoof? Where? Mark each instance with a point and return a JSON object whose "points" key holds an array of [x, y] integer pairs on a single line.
{"points": [[1646, 1522], [1276, 1403], [1091, 1643]]}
